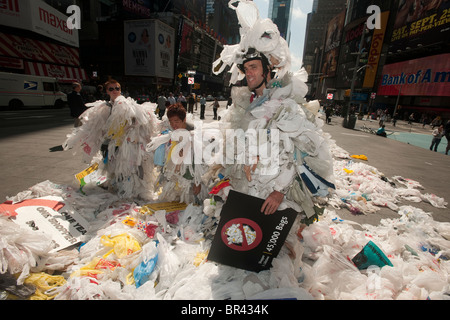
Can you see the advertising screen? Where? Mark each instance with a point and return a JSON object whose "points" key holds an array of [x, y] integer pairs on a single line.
{"points": [[420, 23], [428, 76]]}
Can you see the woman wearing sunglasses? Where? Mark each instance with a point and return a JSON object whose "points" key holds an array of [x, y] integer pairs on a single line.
{"points": [[114, 135]]}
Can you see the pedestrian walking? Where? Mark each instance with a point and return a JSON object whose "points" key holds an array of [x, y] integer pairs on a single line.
{"points": [[191, 102], [447, 136], [424, 120], [215, 107], [171, 99], [181, 99], [394, 119], [76, 103], [411, 118], [437, 136], [436, 122], [328, 112], [202, 107], [161, 105], [382, 119]]}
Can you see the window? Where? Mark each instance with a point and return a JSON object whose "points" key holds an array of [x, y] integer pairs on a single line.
{"points": [[49, 86]]}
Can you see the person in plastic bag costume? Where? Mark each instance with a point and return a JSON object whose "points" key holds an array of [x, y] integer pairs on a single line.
{"points": [[287, 161], [173, 155], [114, 134]]}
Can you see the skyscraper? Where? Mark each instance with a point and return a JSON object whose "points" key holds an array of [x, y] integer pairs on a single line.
{"points": [[322, 13], [280, 12]]}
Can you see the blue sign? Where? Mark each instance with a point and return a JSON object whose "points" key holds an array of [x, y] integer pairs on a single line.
{"points": [[358, 96], [30, 85]]}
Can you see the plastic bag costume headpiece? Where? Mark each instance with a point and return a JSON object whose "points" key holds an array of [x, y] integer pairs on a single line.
{"points": [[258, 36]]}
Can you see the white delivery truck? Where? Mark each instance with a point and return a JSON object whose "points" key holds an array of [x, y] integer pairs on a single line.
{"points": [[18, 90]]}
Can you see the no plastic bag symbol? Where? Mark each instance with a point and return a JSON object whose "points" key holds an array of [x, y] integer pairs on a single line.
{"points": [[241, 234]]}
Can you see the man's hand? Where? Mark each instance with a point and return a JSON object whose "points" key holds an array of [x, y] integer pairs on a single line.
{"points": [[272, 203]]}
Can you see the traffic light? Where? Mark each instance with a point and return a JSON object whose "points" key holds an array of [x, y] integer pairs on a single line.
{"points": [[363, 58]]}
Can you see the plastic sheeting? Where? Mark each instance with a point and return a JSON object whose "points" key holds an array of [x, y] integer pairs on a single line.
{"points": [[120, 260], [114, 136]]}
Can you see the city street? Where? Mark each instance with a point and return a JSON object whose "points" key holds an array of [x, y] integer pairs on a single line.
{"points": [[29, 141], [396, 158], [26, 139], [301, 207]]}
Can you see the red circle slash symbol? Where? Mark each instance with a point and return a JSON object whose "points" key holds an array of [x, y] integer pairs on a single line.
{"points": [[241, 234]]}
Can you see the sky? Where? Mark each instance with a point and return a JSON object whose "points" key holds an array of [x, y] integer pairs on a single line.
{"points": [[301, 8]]}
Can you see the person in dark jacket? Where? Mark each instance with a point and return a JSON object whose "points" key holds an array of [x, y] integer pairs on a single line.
{"points": [[76, 103]]}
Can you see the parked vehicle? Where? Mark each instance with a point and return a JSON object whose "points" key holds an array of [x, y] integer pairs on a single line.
{"points": [[19, 90]]}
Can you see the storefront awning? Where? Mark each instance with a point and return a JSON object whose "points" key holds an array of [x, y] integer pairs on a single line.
{"points": [[64, 74], [11, 63], [29, 49]]}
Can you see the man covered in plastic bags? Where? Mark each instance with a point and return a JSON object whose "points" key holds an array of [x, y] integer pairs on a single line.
{"points": [[114, 135], [286, 158]]}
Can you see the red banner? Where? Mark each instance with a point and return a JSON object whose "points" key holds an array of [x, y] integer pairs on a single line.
{"points": [[428, 76], [62, 73], [26, 48], [11, 63]]}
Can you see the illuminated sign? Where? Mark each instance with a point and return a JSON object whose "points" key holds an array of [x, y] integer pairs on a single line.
{"points": [[428, 76]]}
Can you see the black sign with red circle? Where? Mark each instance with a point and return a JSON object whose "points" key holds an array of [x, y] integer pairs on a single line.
{"points": [[241, 234], [246, 238]]}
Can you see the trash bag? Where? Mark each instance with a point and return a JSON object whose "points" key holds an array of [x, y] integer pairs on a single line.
{"points": [[371, 255], [142, 272], [122, 245]]}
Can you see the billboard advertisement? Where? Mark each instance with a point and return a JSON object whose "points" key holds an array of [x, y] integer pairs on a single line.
{"points": [[334, 32], [428, 76], [333, 41], [374, 53], [187, 40], [39, 17], [149, 49], [420, 23]]}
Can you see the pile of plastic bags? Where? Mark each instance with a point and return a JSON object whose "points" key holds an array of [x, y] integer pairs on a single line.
{"points": [[131, 252], [363, 189]]}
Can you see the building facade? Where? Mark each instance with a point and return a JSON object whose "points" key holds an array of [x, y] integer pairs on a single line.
{"points": [[177, 35], [322, 13], [35, 40], [403, 67], [280, 12]]}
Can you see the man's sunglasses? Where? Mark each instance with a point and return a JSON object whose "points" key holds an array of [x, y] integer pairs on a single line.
{"points": [[112, 89]]}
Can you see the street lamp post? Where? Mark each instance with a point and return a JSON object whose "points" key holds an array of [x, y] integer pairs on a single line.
{"points": [[355, 73], [398, 100]]}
